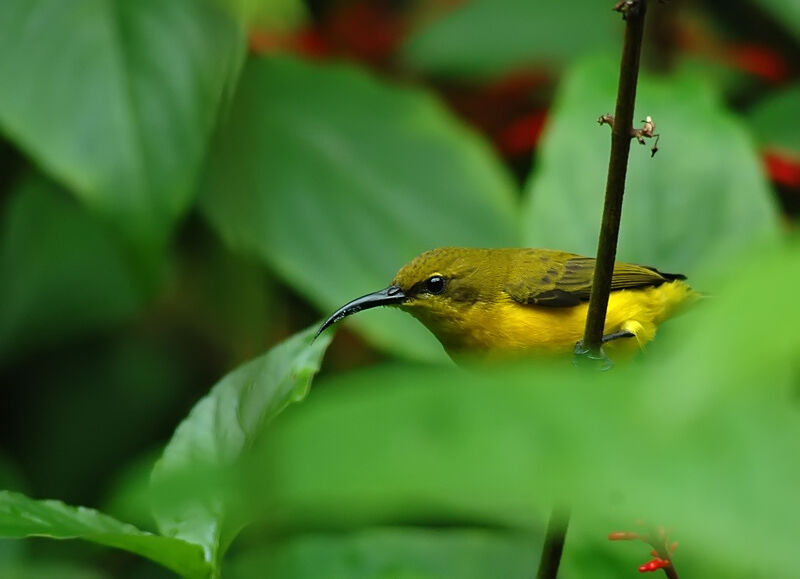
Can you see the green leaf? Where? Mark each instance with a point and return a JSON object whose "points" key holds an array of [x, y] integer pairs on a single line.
{"points": [[336, 180], [698, 201], [63, 273], [489, 37], [117, 99], [700, 437], [218, 430], [21, 516], [397, 553], [772, 119]]}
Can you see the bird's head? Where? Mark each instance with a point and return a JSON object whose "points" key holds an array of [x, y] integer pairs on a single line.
{"points": [[436, 287]]}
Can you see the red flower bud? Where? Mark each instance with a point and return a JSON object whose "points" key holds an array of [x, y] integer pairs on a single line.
{"points": [[654, 565]]}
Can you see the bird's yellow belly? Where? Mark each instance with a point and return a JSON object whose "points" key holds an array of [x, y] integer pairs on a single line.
{"points": [[508, 326]]}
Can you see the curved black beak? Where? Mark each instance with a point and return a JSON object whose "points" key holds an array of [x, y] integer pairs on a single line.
{"points": [[390, 296]]}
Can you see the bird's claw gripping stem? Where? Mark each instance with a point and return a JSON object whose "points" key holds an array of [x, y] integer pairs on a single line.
{"points": [[585, 357]]}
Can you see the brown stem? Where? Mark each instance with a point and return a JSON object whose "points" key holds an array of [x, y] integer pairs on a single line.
{"points": [[665, 552], [661, 547], [621, 132], [670, 571], [634, 13], [553, 543], [617, 170]]}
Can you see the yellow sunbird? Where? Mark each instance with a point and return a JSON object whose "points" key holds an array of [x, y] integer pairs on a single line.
{"points": [[531, 300]]}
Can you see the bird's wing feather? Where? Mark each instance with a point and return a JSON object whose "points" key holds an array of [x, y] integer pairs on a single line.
{"points": [[568, 282]]}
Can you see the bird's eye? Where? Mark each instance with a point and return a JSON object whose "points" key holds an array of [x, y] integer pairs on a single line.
{"points": [[435, 284]]}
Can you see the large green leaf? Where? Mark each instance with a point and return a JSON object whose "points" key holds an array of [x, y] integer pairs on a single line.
{"points": [[699, 200], [395, 552], [484, 37], [116, 99], [773, 119], [63, 273], [21, 516], [336, 180], [701, 436], [218, 430]]}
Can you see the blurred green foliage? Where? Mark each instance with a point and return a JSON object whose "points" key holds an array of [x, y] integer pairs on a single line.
{"points": [[787, 12], [773, 119], [174, 205], [501, 36], [64, 272], [121, 110], [395, 552]]}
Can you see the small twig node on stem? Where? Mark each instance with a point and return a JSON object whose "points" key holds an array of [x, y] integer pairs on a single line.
{"points": [[606, 119]]}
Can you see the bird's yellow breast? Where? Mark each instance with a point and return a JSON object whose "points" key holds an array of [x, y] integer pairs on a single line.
{"points": [[503, 324]]}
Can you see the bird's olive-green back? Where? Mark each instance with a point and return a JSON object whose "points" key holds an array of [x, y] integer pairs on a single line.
{"points": [[541, 277]]}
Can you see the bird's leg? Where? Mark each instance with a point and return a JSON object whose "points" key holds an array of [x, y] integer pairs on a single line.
{"points": [[616, 335]]}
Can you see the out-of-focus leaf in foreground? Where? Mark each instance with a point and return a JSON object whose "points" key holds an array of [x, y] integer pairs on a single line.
{"points": [[489, 37], [21, 516], [213, 437], [116, 99], [700, 436], [395, 552], [63, 273], [336, 180], [700, 200]]}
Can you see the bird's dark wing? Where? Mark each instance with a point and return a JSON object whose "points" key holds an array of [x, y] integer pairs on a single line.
{"points": [[566, 280]]}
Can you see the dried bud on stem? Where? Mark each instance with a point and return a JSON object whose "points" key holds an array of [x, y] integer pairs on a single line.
{"points": [[646, 132]]}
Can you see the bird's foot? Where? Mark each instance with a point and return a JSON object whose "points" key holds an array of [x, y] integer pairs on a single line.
{"points": [[584, 357]]}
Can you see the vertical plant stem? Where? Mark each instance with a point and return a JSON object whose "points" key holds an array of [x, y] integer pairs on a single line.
{"points": [[553, 543], [634, 11], [617, 170]]}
